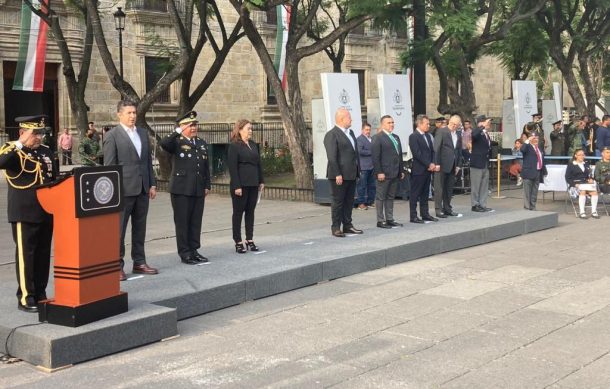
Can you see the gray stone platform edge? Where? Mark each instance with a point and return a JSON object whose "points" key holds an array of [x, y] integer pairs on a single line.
{"points": [[57, 346]]}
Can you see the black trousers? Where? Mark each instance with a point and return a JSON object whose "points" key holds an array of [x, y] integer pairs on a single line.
{"points": [[443, 191], [32, 259], [66, 157], [136, 209], [342, 203], [188, 215], [246, 203], [420, 186]]}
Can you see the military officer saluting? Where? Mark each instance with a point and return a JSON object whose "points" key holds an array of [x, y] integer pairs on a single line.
{"points": [[188, 185], [27, 164]]}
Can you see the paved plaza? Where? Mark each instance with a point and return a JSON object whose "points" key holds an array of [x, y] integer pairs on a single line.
{"points": [[526, 312]]}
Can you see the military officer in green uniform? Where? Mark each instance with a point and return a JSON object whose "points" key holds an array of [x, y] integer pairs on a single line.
{"points": [[89, 149], [188, 185], [535, 129], [28, 164]]}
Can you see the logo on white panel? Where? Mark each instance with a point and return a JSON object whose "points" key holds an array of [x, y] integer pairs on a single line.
{"points": [[397, 97], [398, 107], [344, 97], [103, 190], [528, 103]]}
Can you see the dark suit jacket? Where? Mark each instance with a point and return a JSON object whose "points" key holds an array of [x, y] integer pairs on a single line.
{"points": [[529, 169], [245, 166], [190, 167], [445, 155], [342, 157], [574, 175], [385, 158], [423, 155], [138, 173], [364, 153], [23, 205], [481, 149]]}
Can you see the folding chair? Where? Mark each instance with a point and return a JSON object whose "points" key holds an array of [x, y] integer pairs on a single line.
{"points": [[572, 195]]}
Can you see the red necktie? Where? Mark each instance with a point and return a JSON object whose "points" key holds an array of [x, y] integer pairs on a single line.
{"points": [[539, 165]]}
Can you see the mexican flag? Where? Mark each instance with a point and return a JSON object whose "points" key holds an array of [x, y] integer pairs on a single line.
{"points": [[283, 23], [29, 75]]}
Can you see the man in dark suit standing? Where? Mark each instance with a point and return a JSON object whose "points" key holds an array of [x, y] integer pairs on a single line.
{"points": [[479, 160], [342, 172], [387, 167], [188, 185], [128, 146], [422, 149], [448, 160], [533, 171], [366, 183]]}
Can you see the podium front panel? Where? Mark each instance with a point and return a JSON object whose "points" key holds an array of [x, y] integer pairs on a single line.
{"points": [[98, 190]]}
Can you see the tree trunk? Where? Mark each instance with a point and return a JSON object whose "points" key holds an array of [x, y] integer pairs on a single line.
{"points": [[587, 81]]}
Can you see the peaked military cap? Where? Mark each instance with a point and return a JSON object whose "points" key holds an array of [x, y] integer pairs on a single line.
{"points": [[38, 123], [558, 121], [536, 114], [188, 117]]}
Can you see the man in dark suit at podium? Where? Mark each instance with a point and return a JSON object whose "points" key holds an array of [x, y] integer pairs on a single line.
{"points": [[188, 185], [342, 172], [128, 146], [28, 164]]}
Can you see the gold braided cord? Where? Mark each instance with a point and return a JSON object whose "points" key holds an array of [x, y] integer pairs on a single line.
{"points": [[23, 158]]}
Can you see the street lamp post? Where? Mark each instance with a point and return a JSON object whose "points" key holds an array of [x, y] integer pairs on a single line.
{"points": [[119, 24]]}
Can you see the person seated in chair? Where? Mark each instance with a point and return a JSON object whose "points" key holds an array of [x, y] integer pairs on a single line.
{"points": [[602, 171], [579, 176], [515, 167]]}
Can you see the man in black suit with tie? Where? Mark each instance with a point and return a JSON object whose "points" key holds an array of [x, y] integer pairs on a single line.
{"points": [[387, 167], [422, 149], [342, 172], [479, 160], [128, 146], [188, 185], [448, 160]]}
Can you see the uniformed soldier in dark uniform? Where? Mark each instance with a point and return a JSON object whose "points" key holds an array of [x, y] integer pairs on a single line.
{"points": [[537, 129], [189, 184], [27, 164]]}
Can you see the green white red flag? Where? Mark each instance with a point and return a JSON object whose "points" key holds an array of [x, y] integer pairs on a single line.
{"points": [[283, 24], [29, 75]]}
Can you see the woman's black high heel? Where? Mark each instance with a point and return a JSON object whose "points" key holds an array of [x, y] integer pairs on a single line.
{"points": [[240, 248], [250, 245]]}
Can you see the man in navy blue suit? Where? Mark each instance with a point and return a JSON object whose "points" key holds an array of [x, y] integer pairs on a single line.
{"points": [[533, 171], [422, 149]]}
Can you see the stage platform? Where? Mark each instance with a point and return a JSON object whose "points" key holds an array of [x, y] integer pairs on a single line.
{"points": [[299, 251]]}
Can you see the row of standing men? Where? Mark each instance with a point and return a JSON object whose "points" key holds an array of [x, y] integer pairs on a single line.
{"points": [[441, 157]]}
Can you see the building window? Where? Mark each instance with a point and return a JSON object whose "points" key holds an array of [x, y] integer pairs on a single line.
{"points": [[272, 16], [271, 99], [361, 84], [147, 5], [156, 68], [358, 30]]}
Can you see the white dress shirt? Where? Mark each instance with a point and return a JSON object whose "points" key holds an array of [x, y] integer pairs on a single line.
{"points": [[132, 133]]}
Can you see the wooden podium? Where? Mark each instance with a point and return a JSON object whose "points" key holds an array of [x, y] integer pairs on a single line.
{"points": [[86, 208]]}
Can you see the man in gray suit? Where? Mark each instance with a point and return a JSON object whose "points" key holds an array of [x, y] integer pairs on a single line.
{"points": [[387, 162], [448, 160], [128, 146]]}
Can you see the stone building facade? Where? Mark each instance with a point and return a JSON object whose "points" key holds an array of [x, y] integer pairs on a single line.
{"points": [[239, 91]]}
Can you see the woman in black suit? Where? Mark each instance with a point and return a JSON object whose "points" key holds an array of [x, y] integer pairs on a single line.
{"points": [[246, 181], [579, 176]]}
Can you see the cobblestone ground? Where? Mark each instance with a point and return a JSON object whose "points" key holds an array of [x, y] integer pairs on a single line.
{"points": [[527, 312]]}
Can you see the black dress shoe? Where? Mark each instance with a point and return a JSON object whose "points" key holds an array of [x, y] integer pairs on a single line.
{"points": [[29, 308], [417, 221], [383, 225], [478, 208], [199, 257], [451, 213], [487, 209], [441, 215], [429, 218], [122, 276], [352, 230], [338, 234], [393, 223], [190, 260]]}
